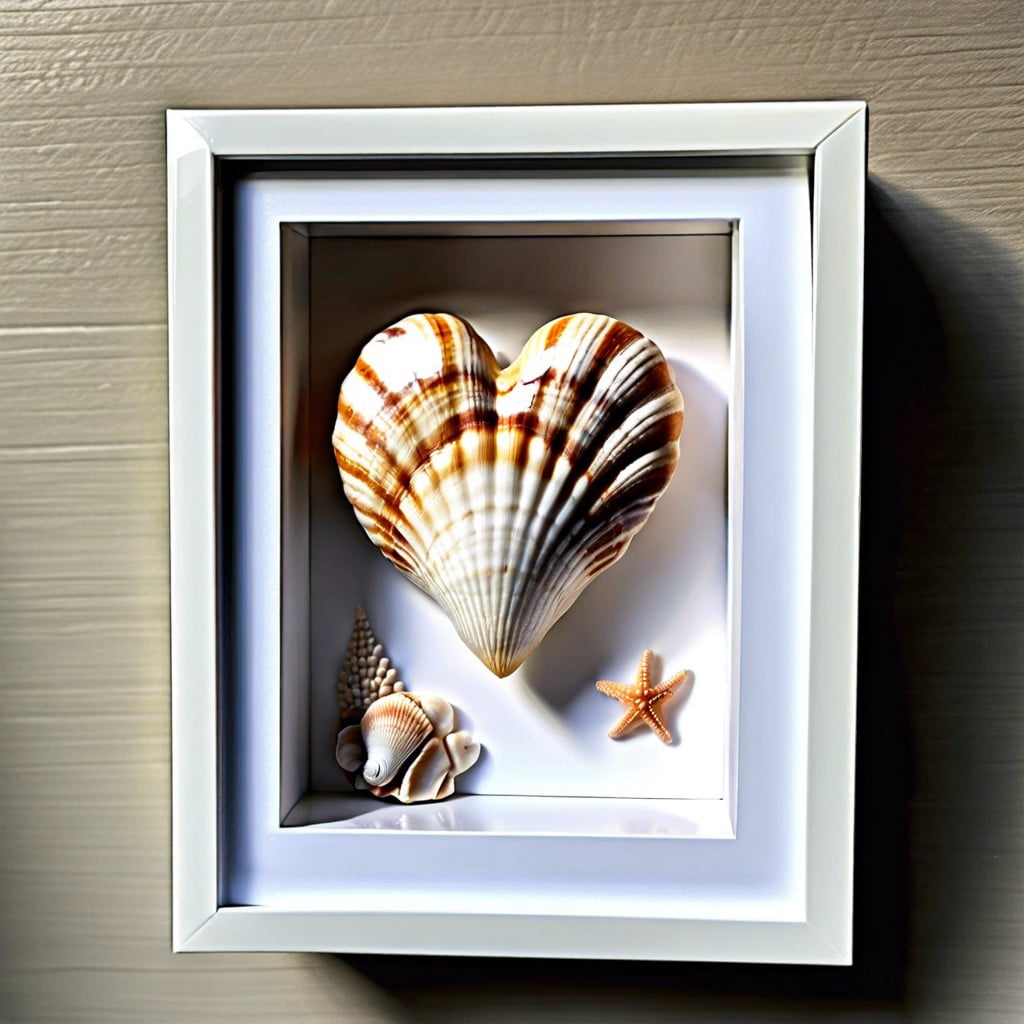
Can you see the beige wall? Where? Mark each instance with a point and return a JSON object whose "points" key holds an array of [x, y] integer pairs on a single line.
{"points": [[83, 497]]}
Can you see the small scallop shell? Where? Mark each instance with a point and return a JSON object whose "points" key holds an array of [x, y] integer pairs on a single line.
{"points": [[393, 728], [503, 493], [428, 770]]}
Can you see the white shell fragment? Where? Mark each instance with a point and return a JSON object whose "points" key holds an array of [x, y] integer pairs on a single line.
{"points": [[367, 673], [406, 747], [503, 493]]}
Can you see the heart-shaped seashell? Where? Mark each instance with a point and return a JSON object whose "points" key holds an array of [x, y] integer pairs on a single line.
{"points": [[503, 493]]}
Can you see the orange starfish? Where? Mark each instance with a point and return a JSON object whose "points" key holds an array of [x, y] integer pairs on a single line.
{"points": [[642, 699]]}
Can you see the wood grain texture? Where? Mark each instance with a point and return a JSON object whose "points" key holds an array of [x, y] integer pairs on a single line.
{"points": [[84, 784]]}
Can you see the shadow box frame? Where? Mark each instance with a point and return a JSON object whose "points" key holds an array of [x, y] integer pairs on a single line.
{"points": [[517, 893]]}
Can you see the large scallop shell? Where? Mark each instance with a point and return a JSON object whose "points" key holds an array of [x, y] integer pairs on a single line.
{"points": [[393, 729], [503, 493]]}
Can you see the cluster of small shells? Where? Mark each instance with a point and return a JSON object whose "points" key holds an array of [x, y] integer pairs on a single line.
{"points": [[406, 747], [367, 674]]}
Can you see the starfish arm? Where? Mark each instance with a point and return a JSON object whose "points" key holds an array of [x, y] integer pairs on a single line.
{"points": [[643, 674], [625, 723], [671, 685], [616, 690], [652, 716]]}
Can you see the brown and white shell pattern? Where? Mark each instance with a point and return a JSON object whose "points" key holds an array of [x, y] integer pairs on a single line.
{"points": [[367, 673], [406, 747], [503, 493]]}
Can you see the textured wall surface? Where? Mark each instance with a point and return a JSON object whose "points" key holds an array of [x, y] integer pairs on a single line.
{"points": [[84, 780]]}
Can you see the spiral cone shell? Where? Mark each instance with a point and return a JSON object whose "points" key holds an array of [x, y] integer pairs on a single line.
{"points": [[367, 673], [503, 493], [393, 728]]}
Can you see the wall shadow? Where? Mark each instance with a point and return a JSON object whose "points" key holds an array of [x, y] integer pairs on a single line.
{"points": [[941, 448]]}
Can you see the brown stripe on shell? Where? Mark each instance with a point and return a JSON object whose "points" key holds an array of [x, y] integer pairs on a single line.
{"points": [[652, 383]]}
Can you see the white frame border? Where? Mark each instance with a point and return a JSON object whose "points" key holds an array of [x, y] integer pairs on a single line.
{"points": [[834, 135]]}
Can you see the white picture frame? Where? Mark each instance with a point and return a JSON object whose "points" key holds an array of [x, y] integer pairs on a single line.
{"points": [[799, 910]]}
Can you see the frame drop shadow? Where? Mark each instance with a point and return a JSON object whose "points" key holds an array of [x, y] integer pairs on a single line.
{"points": [[936, 335]]}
